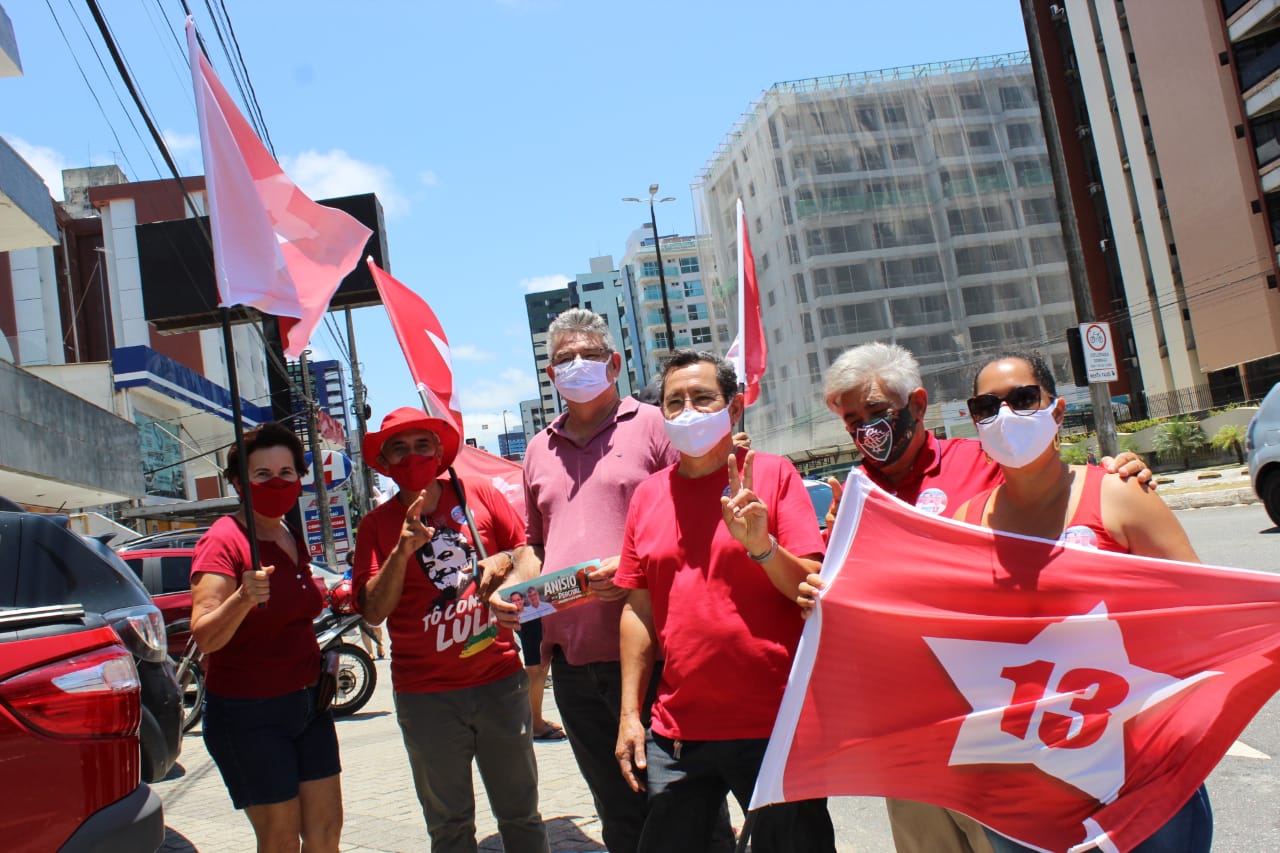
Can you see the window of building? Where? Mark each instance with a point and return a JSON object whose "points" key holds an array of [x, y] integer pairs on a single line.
{"points": [[793, 249], [802, 294], [903, 232], [779, 172], [980, 139], [826, 162], [692, 287], [996, 298], [997, 257], [688, 265], [1048, 250], [868, 118], [777, 336], [696, 310], [920, 310], [649, 269], [787, 216], [852, 319], [772, 298], [806, 326], [751, 188], [980, 220], [903, 151], [660, 340], [593, 285], [972, 101], [872, 157], [1039, 211], [895, 114], [1020, 135], [700, 334], [1053, 289], [909, 272], [1013, 98], [815, 369], [845, 238], [854, 278]]}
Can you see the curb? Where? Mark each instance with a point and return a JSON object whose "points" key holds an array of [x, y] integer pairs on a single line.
{"points": [[1223, 497]]}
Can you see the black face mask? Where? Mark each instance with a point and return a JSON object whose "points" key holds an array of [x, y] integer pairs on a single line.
{"points": [[883, 441]]}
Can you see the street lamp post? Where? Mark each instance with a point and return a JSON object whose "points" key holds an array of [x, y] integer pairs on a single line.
{"points": [[657, 248]]}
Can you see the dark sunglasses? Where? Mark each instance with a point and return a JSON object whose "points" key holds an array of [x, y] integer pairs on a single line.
{"points": [[1023, 400]]}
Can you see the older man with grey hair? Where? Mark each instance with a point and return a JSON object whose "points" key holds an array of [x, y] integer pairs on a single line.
{"points": [[877, 391], [579, 473]]}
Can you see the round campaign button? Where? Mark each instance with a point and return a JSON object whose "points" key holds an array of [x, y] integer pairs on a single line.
{"points": [[1078, 534], [932, 501], [458, 515]]}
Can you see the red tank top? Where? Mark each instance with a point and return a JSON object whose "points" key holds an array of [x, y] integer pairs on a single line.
{"points": [[1085, 528]]}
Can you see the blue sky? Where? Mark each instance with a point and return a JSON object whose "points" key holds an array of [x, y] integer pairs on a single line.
{"points": [[500, 135]]}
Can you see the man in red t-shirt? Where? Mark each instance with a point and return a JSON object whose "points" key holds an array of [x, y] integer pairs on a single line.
{"points": [[877, 390], [460, 690], [713, 559]]}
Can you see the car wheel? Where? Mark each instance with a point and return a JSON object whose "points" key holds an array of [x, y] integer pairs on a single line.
{"points": [[1270, 494]]}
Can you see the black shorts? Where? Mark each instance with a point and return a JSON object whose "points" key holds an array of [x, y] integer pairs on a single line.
{"points": [[531, 642], [265, 748]]}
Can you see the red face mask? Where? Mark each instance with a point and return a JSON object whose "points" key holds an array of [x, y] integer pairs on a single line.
{"points": [[414, 472], [275, 497]]}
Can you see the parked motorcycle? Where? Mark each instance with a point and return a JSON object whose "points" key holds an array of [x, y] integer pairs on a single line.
{"points": [[356, 675]]}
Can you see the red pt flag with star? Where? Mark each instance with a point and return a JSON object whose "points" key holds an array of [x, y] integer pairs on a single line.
{"points": [[426, 348], [1061, 695]]}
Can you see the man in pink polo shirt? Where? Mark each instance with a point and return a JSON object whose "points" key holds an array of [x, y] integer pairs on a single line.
{"points": [[579, 474]]}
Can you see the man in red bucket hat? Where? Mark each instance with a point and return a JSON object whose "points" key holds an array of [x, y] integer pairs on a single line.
{"points": [[460, 688]]}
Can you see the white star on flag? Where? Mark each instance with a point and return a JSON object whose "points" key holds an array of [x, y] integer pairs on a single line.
{"points": [[1058, 702]]}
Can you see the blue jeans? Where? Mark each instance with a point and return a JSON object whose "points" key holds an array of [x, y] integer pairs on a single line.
{"points": [[688, 782], [1188, 831]]}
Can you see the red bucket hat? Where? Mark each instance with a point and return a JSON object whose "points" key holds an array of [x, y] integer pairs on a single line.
{"points": [[407, 418]]}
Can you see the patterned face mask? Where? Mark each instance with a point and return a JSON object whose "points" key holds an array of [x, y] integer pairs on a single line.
{"points": [[884, 440]]}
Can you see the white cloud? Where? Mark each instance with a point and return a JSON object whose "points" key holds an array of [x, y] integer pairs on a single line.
{"points": [[185, 148], [539, 283], [467, 352], [326, 174], [47, 162], [502, 391], [429, 178]]}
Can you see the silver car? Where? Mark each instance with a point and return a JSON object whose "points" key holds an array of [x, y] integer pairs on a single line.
{"points": [[1262, 441]]}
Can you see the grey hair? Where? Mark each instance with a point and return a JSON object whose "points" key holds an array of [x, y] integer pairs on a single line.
{"points": [[580, 321], [895, 368]]}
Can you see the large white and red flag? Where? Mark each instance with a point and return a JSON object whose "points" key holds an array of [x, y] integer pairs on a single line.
{"points": [[503, 474], [1063, 696], [273, 248], [426, 348], [749, 351]]}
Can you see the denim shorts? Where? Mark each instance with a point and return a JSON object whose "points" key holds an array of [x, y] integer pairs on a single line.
{"points": [[265, 748]]}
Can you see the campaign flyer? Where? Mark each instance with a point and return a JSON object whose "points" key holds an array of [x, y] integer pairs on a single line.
{"points": [[553, 592]]}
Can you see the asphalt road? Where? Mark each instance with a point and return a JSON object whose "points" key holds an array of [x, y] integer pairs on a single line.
{"points": [[1245, 788]]}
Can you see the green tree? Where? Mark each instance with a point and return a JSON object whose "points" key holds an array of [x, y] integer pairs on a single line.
{"points": [[1178, 438], [1230, 437], [1074, 453]]}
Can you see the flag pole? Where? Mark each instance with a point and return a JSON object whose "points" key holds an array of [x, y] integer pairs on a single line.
{"points": [[747, 826], [454, 479], [237, 420]]}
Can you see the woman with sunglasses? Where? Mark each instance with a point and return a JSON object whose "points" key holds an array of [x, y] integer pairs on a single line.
{"points": [[1018, 415], [276, 749]]}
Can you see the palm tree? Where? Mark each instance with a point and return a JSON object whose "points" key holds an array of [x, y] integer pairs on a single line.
{"points": [[1230, 437], [1178, 438]]}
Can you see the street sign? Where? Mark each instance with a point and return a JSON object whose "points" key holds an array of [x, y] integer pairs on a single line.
{"points": [[337, 470], [1099, 354], [339, 520]]}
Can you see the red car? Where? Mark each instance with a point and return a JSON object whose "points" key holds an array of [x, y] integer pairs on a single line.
{"points": [[69, 716]]}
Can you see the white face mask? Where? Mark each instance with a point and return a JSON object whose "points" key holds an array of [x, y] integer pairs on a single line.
{"points": [[581, 381], [1016, 441], [696, 433]]}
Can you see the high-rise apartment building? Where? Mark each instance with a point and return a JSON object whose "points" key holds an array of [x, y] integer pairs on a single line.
{"points": [[328, 388], [602, 290], [1169, 114], [687, 302], [912, 205], [541, 308]]}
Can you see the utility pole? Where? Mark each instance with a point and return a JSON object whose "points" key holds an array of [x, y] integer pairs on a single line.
{"points": [[317, 465], [364, 494], [1104, 418]]}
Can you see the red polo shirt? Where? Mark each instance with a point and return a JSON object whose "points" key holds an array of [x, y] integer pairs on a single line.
{"points": [[947, 472]]}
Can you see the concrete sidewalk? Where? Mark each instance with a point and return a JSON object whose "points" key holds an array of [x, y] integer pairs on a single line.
{"points": [[382, 811]]}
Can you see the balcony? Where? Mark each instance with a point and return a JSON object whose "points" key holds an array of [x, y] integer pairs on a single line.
{"points": [[860, 203], [958, 187]]}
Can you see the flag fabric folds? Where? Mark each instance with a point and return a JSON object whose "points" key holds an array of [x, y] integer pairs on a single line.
{"points": [[1062, 696], [503, 474], [274, 249], [749, 351], [426, 348]]}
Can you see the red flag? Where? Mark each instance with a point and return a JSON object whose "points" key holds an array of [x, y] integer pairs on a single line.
{"points": [[425, 346], [273, 248], [1061, 695], [505, 475], [749, 352]]}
